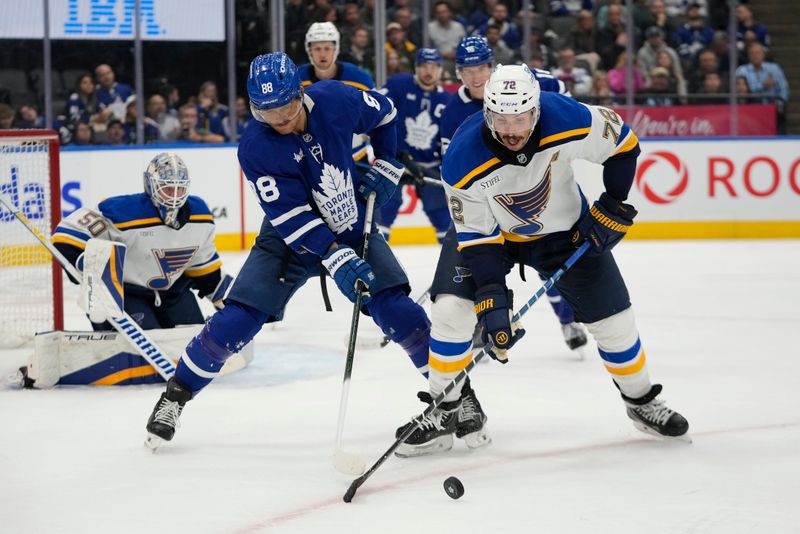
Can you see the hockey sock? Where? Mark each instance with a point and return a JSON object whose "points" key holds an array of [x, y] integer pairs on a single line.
{"points": [[225, 333], [451, 342], [560, 306], [404, 322]]}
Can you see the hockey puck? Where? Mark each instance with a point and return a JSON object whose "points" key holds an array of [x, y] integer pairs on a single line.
{"points": [[453, 487]]}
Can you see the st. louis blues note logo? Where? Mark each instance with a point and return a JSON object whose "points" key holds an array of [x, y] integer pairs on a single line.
{"points": [[529, 205], [170, 262], [461, 274]]}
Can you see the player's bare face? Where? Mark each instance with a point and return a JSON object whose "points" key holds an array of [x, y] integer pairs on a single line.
{"points": [[513, 130], [475, 79], [322, 54], [284, 119], [428, 74]]}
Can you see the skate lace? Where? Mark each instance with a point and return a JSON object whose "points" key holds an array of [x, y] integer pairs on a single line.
{"points": [[433, 421], [168, 413], [655, 411], [468, 410]]}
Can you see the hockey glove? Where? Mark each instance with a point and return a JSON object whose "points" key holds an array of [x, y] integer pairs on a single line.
{"points": [[382, 179], [218, 295], [413, 174], [493, 306], [604, 224], [347, 269]]}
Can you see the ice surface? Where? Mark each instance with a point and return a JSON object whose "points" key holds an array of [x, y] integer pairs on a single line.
{"points": [[719, 322]]}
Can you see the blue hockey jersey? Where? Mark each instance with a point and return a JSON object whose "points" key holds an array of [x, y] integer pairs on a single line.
{"points": [[463, 105], [306, 184], [418, 116]]}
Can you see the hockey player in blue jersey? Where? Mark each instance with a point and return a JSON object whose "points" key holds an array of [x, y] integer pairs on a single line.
{"points": [[474, 61], [322, 47], [514, 200], [297, 160], [169, 236], [420, 101]]}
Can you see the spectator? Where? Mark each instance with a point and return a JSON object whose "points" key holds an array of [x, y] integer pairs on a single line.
{"points": [[677, 8], [601, 91], [767, 79], [719, 45], [618, 80], [539, 45], [582, 39], [508, 32], [537, 61], [82, 104], [742, 90], [394, 64], [83, 134], [360, 53], [693, 36], [713, 88], [190, 131], [243, 118], [396, 40], [115, 132], [480, 16], [676, 79], [658, 93], [577, 79], [320, 11], [29, 117], [411, 26], [172, 97], [568, 8], [654, 44], [657, 16], [169, 127], [707, 63], [151, 132], [748, 25], [296, 22], [612, 40], [502, 53], [110, 93], [351, 23], [445, 34], [6, 117], [210, 113]]}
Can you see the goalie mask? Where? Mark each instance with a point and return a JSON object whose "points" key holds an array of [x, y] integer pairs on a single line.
{"points": [[511, 105], [166, 182]]}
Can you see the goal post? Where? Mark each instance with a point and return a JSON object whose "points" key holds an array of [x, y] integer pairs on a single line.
{"points": [[31, 292]]}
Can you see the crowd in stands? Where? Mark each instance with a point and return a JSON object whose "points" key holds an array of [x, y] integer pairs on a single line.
{"points": [[681, 57]]}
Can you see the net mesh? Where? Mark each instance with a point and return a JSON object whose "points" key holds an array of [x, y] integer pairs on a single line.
{"points": [[26, 283]]}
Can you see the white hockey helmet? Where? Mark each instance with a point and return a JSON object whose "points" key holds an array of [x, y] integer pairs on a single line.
{"points": [[166, 182], [511, 90], [322, 31]]}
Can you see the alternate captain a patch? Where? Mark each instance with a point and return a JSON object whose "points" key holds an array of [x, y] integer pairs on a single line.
{"points": [[527, 206], [170, 262]]}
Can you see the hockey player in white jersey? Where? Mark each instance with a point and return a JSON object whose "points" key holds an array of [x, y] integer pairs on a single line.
{"points": [[169, 236], [514, 200]]}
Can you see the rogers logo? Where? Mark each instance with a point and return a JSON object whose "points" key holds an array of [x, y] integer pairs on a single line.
{"points": [[664, 168]]}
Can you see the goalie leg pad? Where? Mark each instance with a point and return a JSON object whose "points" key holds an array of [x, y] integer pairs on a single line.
{"points": [[451, 342], [404, 322], [225, 333], [102, 294]]}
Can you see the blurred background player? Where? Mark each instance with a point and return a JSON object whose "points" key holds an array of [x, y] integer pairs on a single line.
{"points": [[298, 162], [501, 169], [322, 47], [420, 101], [169, 236], [474, 62]]}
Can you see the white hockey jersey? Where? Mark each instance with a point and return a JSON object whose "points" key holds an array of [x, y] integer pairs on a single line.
{"points": [[157, 254], [496, 194]]}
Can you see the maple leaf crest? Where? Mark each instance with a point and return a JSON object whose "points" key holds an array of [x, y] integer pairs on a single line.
{"points": [[420, 131], [336, 201]]}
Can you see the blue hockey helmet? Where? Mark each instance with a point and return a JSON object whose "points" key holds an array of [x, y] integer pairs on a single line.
{"points": [[428, 55], [273, 82], [473, 51]]}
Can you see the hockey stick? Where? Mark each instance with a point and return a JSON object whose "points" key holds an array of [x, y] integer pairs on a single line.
{"points": [[417, 421], [426, 179], [125, 325], [343, 461]]}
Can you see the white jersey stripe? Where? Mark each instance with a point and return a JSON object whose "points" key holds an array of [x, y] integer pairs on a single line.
{"points": [[289, 214], [294, 236]]}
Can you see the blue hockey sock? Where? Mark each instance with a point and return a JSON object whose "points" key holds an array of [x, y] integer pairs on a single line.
{"points": [[225, 333], [405, 322], [560, 306]]}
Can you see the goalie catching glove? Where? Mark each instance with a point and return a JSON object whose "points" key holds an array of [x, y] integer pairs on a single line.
{"points": [[604, 224], [493, 306], [102, 295]]}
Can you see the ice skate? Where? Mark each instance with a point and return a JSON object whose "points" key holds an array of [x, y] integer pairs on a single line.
{"points": [[435, 434], [165, 417], [471, 423], [575, 338], [652, 416]]}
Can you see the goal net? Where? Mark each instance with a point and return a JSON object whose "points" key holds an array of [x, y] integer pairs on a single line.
{"points": [[30, 280]]}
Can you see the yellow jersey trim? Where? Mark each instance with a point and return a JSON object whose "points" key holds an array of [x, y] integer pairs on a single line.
{"points": [[629, 145], [69, 241], [499, 240], [137, 222], [210, 268], [521, 238], [476, 171], [563, 135]]}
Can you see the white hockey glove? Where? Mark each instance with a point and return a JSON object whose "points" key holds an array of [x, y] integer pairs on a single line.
{"points": [[218, 295], [102, 295]]}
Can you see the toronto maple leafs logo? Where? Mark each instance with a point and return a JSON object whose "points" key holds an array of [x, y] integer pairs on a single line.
{"points": [[420, 131], [337, 200]]}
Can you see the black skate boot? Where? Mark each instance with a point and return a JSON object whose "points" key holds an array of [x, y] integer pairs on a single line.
{"points": [[435, 434], [471, 424], [651, 415], [574, 335], [164, 419]]}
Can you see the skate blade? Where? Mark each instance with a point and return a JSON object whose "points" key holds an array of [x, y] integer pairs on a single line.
{"points": [[436, 445], [153, 442], [478, 439], [686, 438]]}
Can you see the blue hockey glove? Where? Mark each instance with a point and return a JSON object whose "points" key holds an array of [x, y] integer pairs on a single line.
{"points": [[381, 178], [493, 306], [347, 269], [604, 224], [218, 295]]}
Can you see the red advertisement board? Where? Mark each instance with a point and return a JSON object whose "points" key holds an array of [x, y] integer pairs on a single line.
{"points": [[700, 121]]}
